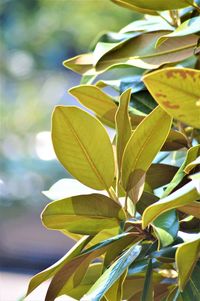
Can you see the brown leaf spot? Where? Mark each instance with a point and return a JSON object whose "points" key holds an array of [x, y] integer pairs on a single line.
{"points": [[170, 105], [160, 95], [171, 73]]}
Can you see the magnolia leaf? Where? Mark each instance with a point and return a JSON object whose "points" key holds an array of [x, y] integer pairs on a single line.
{"points": [[191, 155], [52, 270], [115, 293], [123, 126], [196, 180], [130, 5], [183, 196], [188, 27], [146, 200], [143, 146], [166, 228], [74, 271], [66, 188], [112, 274], [177, 91], [186, 257], [83, 146], [147, 294], [175, 141], [97, 101], [192, 165], [191, 209], [83, 214], [160, 174], [156, 4]]}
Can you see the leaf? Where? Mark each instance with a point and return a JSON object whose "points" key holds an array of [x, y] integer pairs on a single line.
{"points": [[115, 293], [175, 141], [139, 267], [52, 270], [196, 180], [83, 147], [177, 91], [129, 4], [156, 4], [191, 155], [188, 27], [111, 275], [192, 165], [123, 126], [97, 101], [147, 294], [166, 227], [180, 197], [75, 270], [186, 257], [143, 146], [160, 174], [191, 209], [83, 214]]}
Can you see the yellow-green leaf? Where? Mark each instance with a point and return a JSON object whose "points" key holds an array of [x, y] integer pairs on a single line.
{"points": [[177, 91], [83, 214], [183, 196], [115, 293], [130, 5], [123, 126], [83, 147], [145, 142], [186, 257], [97, 101]]}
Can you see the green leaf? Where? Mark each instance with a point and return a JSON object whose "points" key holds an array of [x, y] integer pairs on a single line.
{"points": [[83, 147], [196, 180], [156, 4], [147, 294], [183, 196], [83, 214], [166, 227], [192, 165], [52, 270], [97, 101], [115, 293], [123, 126], [160, 174], [185, 85], [74, 271], [186, 257], [130, 5], [188, 27], [143, 146], [111, 275], [191, 155]]}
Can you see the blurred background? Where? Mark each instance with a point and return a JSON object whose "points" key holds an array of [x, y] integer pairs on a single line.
{"points": [[36, 36]]}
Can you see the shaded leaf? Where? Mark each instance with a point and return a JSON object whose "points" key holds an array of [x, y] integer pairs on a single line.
{"points": [[175, 141], [177, 91], [115, 293], [191, 209], [160, 174], [83, 214], [147, 294], [82, 145], [183, 196]]}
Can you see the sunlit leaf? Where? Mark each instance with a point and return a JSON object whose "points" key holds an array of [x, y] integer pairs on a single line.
{"points": [[177, 91], [83, 214], [130, 5], [115, 293], [83, 147]]}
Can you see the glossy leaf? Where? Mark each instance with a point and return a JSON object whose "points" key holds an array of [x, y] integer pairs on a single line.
{"points": [[112, 274], [123, 126], [147, 294], [52, 270], [186, 257], [177, 91], [180, 197], [97, 101], [196, 180], [143, 147], [188, 27], [115, 293], [83, 214], [130, 5], [83, 147]]}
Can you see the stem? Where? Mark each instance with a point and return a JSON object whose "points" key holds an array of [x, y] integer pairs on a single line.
{"points": [[175, 17], [164, 18], [193, 5], [112, 195]]}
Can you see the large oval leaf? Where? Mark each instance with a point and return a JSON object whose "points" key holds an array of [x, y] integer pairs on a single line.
{"points": [[183, 196], [143, 146], [83, 147], [177, 91], [83, 214]]}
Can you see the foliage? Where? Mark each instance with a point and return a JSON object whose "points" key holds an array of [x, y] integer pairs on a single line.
{"points": [[140, 217]]}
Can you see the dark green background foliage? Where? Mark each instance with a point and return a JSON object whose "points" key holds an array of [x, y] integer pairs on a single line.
{"points": [[140, 214]]}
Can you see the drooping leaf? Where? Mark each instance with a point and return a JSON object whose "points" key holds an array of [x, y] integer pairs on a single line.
{"points": [[147, 294], [186, 257], [192, 165], [52, 270], [83, 147], [183, 196], [188, 27], [123, 126], [112, 274], [83, 214], [143, 147], [97, 101], [177, 91]]}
